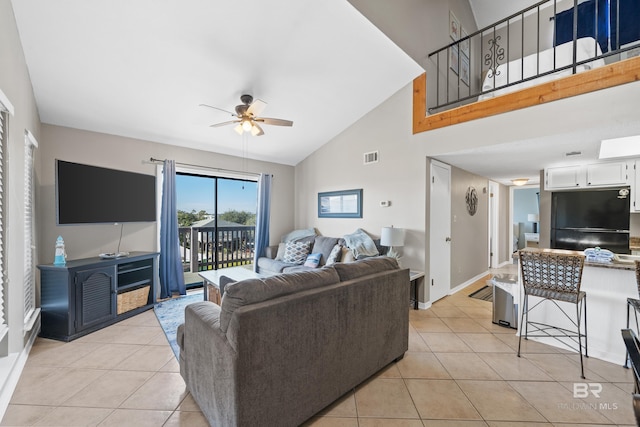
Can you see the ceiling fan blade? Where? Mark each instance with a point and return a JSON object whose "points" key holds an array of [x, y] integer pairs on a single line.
{"points": [[216, 108], [256, 107], [276, 122], [256, 130], [223, 123]]}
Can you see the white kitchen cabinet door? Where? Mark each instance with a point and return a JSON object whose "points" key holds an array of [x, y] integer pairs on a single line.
{"points": [[564, 177], [604, 174]]}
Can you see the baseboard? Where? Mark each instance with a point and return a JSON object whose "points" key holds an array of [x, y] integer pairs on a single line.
{"points": [[468, 282], [424, 305], [12, 365]]}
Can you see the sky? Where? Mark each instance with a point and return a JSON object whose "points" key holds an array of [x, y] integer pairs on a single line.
{"points": [[198, 193]]}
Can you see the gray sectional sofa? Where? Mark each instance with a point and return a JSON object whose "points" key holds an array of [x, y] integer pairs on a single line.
{"points": [[282, 348], [270, 264]]}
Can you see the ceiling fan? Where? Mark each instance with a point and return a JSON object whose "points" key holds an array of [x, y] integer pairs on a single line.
{"points": [[247, 116]]}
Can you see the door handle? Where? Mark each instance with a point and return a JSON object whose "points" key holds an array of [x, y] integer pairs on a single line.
{"points": [[448, 239]]}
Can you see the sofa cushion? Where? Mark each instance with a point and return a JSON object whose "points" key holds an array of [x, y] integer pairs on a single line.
{"points": [[268, 265], [347, 255], [280, 253], [251, 291], [364, 267], [323, 245], [296, 252], [313, 260], [335, 255], [299, 234]]}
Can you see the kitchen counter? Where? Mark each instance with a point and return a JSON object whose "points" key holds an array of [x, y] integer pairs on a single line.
{"points": [[626, 262]]}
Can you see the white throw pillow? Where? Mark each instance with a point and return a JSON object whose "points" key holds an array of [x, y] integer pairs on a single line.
{"points": [[296, 252]]}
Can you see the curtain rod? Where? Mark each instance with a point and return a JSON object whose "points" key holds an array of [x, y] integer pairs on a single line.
{"points": [[151, 159]]}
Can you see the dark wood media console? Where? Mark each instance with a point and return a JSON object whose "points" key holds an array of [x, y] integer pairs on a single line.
{"points": [[88, 294]]}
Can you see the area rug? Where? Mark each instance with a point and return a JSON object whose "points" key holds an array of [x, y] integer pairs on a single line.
{"points": [[485, 293], [170, 314]]}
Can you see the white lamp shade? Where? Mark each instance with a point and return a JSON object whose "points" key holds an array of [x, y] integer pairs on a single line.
{"points": [[391, 236], [533, 218]]}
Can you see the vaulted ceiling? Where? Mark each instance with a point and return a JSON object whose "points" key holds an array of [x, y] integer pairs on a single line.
{"points": [[141, 68]]}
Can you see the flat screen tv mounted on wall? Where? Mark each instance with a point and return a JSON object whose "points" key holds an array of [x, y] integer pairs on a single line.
{"points": [[90, 195]]}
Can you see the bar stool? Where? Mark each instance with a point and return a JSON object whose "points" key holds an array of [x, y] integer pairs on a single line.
{"points": [[633, 351], [635, 304], [554, 276]]}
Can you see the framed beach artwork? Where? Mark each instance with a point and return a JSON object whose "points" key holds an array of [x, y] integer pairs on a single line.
{"points": [[454, 27], [340, 204], [464, 69], [454, 59], [464, 43]]}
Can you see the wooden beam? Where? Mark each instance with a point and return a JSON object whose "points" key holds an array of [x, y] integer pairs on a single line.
{"points": [[615, 74]]}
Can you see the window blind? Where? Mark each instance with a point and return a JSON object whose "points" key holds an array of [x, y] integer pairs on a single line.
{"points": [[3, 144], [30, 311]]}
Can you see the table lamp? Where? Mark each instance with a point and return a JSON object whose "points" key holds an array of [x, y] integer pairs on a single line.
{"points": [[391, 237]]}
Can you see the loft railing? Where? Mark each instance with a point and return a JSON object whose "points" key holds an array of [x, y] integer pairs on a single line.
{"points": [[212, 248], [548, 39]]}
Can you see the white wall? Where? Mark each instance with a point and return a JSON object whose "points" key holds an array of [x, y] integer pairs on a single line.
{"points": [[398, 177], [133, 155]]}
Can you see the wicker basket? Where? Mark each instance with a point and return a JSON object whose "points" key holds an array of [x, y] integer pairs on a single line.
{"points": [[133, 299]]}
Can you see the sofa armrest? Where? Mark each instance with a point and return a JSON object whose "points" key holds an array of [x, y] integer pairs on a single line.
{"points": [[271, 251], [209, 363]]}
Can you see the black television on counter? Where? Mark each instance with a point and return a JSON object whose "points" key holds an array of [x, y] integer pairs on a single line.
{"points": [[91, 195]]}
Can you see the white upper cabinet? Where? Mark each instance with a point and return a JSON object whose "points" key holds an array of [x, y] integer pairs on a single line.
{"points": [[587, 176], [564, 177], [600, 174]]}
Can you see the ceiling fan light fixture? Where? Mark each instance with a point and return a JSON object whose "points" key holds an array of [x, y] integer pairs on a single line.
{"points": [[239, 129], [247, 125], [520, 181], [255, 130]]}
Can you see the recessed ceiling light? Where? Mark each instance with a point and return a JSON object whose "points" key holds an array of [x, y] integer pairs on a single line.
{"points": [[620, 147]]}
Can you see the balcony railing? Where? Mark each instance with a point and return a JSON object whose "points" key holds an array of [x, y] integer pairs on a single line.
{"points": [[548, 40], [212, 248]]}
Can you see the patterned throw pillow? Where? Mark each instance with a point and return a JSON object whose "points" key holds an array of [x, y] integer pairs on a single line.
{"points": [[335, 255], [296, 252], [313, 260]]}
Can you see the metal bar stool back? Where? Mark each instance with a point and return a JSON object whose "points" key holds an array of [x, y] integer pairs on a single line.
{"points": [[554, 276], [633, 351], [635, 304]]}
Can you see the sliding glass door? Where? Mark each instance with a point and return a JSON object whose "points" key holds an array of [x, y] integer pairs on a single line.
{"points": [[217, 219]]}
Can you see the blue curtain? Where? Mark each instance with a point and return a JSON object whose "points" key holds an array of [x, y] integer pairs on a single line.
{"points": [[593, 21], [628, 22], [262, 222], [171, 275], [603, 20]]}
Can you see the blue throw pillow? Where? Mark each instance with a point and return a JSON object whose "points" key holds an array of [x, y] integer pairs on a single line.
{"points": [[313, 260]]}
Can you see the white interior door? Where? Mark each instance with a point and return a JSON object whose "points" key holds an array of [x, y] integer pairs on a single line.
{"points": [[440, 231], [494, 225]]}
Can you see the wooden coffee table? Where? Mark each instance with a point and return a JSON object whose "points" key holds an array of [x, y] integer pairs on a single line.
{"points": [[211, 280]]}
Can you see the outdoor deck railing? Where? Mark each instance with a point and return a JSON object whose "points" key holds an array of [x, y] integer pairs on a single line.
{"points": [[216, 247], [457, 73]]}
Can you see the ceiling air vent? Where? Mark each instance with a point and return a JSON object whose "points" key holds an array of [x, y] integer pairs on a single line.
{"points": [[371, 157]]}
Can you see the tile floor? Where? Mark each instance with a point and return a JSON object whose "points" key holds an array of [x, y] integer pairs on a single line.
{"points": [[460, 370]]}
